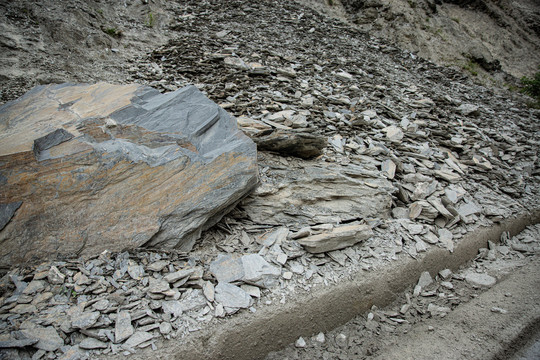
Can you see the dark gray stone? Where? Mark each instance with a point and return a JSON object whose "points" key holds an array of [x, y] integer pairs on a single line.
{"points": [[7, 211], [302, 145]]}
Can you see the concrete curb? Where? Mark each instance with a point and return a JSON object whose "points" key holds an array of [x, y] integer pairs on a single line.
{"points": [[254, 335]]}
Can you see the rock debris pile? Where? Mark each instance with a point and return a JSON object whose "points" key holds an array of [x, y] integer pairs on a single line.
{"points": [[432, 297], [366, 154]]}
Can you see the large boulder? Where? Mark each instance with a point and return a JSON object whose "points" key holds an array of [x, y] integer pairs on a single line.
{"points": [[84, 168]]}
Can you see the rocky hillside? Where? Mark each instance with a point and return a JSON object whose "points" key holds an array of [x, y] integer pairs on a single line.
{"points": [[355, 135], [485, 37]]}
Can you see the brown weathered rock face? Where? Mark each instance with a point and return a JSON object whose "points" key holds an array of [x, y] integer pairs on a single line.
{"points": [[84, 168]]}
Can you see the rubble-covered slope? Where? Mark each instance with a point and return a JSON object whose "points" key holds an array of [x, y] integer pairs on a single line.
{"points": [[480, 35]]}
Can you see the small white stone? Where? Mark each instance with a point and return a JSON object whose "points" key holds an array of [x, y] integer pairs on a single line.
{"points": [[320, 338], [300, 343]]}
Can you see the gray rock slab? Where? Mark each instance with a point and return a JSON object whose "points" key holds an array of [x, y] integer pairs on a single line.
{"points": [[302, 145], [48, 338], [227, 268], [91, 343], [85, 320], [320, 194], [122, 142], [232, 296], [339, 238], [17, 343], [425, 280], [173, 307], [256, 268], [123, 328], [177, 275], [158, 286], [138, 338]]}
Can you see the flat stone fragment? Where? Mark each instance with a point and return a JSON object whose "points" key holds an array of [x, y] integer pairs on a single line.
{"points": [[158, 286], [209, 291], [157, 266], [177, 275], [173, 307], [321, 194], [481, 280], [468, 109], [138, 338], [35, 286], [17, 343], [468, 209], [117, 144], [445, 274], [256, 268], [232, 296], [91, 343], [227, 268], [388, 167], [165, 328], [85, 320], [48, 338], [302, 145], [425, 280], [123, 328], [339, 238]]}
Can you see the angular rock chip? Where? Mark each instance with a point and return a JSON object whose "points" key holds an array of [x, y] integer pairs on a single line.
{"points": [[177, 275], [339, 238], [152, 169], [173, 307], [232, 296], [55, 276]]}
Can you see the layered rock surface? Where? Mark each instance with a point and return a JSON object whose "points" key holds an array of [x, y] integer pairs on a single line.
{"points": [[85, 168]]}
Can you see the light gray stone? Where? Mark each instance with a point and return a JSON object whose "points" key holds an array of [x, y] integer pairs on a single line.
{"points": [[85, 320], [257, 270], [91, 343], [137, 338], [227, 268], [339, 238], [123, 328], [425, 280], [173, 307], [480, 279], [178, 275], [55, 276], [232, 296]]}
